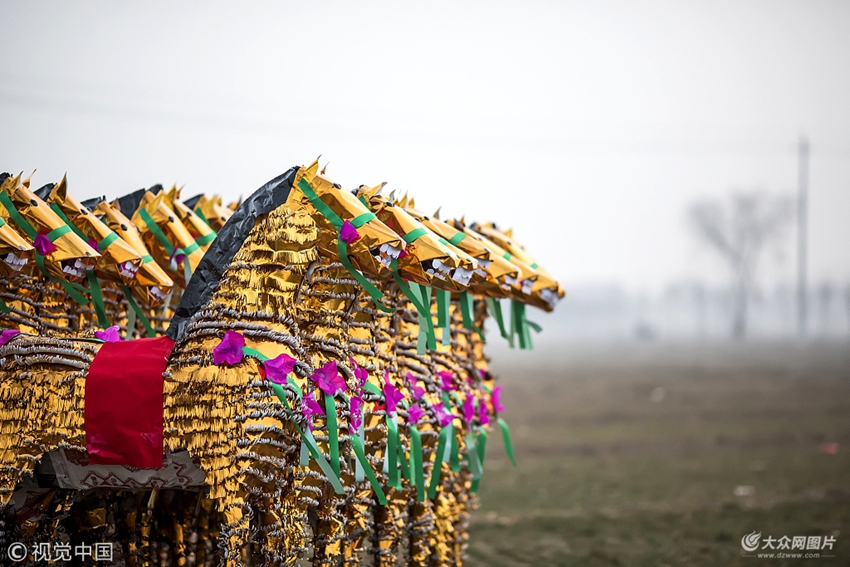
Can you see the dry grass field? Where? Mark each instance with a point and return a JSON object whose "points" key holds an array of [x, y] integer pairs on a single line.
{"points": [[667, 455]]}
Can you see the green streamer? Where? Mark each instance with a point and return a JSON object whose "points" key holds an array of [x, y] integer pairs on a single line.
{"points": [[402, 460], [415, 235], [444, 297], [374, 292], [455, 455], [138, 311], [359, 470], [357, 445], [97, 299], [416, 464], [202, 216], [415, 299], [157, 232], [106, 241], [333, 432], [391, 458], [482, 448], [205, 239], [436, 470], [131, 324], [16, 217], [455, 240], [472, 457], [495, 307], [506, 437], [466, 310]]}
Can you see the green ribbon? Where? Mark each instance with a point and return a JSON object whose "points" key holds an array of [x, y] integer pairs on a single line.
{"points": [[61, 214], [391, 457], [424, 313], [131, 325], [97, 299], [342, 246], [426, 340], [205, 239], [438, 463], [416, 465], [520, 325], [415, 234], [481, 443], [402, 460], [333, 432], [455, 240], [466, 309], [506, 437], [134, 307], [444, 297], [455, 452], [472, 457], [495, 307], [147, 258], [534, 266], [357, 445], [107, 240]]}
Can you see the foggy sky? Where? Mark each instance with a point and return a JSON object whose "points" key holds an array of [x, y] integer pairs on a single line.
{"points": [[589, 127]]}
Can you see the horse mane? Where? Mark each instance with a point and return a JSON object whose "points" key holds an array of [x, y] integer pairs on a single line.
{"points": [[230, 239]]}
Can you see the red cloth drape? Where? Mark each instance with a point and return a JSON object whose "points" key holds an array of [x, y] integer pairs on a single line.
{"points": [[123, 413]]}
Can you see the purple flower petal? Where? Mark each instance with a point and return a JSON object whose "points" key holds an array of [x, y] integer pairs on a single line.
{"points": [[279, 367], [328, 380], [93, 244], [356, 411], [348, 233], [468, 410], [391, 394], [310, 407], [414, 413], [229, 350], [361, 375], [414, 389], [447, 380], [483, 416], [496, 398], [108, 335], [43, 245], [8, 335], [443, 416]]}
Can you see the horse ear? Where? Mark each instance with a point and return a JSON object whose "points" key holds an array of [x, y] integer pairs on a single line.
{"points": [[311, 170], [26, 182], [436, 214], [324, 168], [411, 204], [509, 233], [60, 190]]}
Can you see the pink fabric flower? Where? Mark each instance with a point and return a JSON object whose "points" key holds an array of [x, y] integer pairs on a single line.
{"points": [[356, 411], [361, 375], [43, 245], [229, 350], [483, 416], [108, 335], [93, 244], [443, 416], [310, 407], [447, 380], [279, 367], [468, 410], [391, 394], [415, 390], [328, 379], [496, 398], [414, 414], [8, 335], [348, 233]]}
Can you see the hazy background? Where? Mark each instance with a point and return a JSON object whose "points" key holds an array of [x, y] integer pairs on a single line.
{"points": [[588, 127]]}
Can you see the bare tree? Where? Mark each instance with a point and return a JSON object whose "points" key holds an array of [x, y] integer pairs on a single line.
{"points": [[740, 230]]}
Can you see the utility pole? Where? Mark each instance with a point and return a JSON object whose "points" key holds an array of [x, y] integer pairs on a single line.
{"points": [[802, 214]]}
